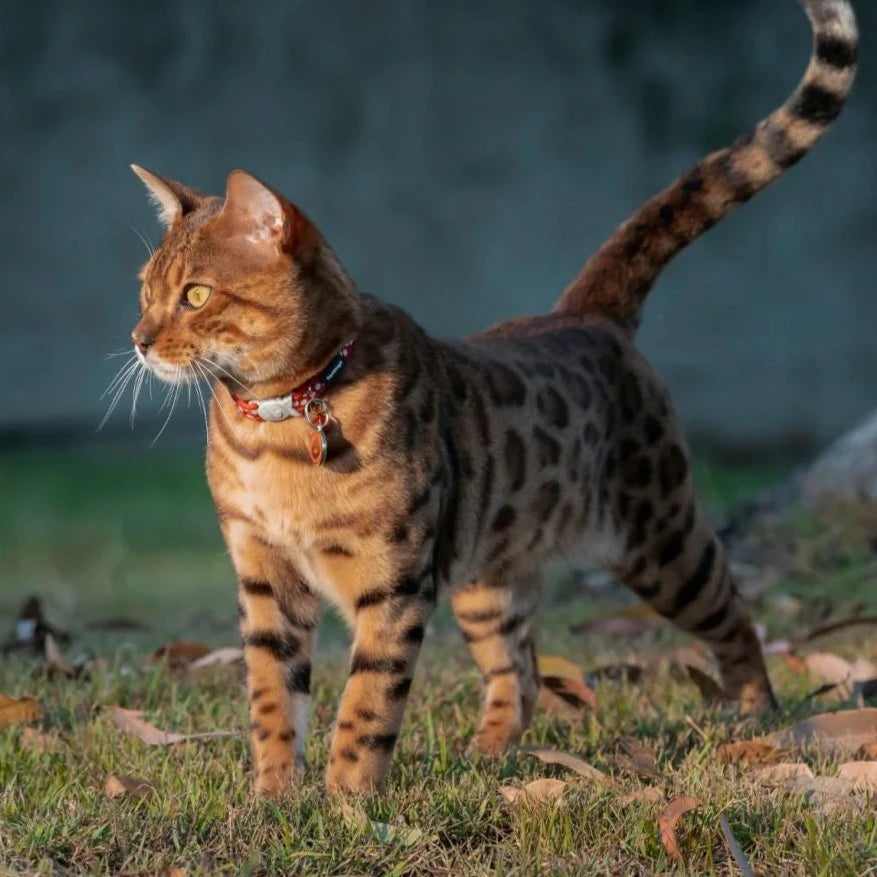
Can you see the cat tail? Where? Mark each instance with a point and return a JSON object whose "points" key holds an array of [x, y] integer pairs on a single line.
{"points": [[617, 278]]}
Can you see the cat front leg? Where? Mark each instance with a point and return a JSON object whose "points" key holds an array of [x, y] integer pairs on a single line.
{"points": [[388, 631], [278, 615]]}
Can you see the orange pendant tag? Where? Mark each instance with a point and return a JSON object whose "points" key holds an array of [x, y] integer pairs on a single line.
{"points": [[318, 447]]}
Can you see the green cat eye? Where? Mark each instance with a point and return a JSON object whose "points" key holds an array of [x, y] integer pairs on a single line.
{"points": [[196, 295]]}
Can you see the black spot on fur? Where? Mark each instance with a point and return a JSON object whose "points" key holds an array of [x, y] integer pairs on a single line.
{"points": [[298, 679], [506, 386], [515, 455], [553, 408], [547, 447], [835, 52], [503, 518], [672, 469], [546, 500], [817, 104]]}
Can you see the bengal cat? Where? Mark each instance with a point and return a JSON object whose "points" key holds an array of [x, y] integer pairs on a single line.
{"points": [[353, 458]]}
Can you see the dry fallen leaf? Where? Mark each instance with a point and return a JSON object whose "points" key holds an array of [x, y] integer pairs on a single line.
{"points": [[838, 677], [18, 711], [832, 733], [573, 762], [218, 658], [794, 662], [868, 751], [36, 740], [750, 751], [132, 722], [122, 784], [180, 654], [639, 759], [863, 774], [674, 811], [648, 795], [778, 774], [536, 792]]}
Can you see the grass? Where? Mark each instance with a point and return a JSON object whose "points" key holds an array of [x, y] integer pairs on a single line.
{"points": [[124, 534]]}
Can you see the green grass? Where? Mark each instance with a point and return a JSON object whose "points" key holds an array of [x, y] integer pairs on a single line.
{"points": [[98, 534]]}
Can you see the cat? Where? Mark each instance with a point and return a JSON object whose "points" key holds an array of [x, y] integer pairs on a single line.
{"points": [[353, 458]]}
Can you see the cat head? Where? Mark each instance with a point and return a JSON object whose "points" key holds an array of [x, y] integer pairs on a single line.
{"points": [[241, 288]]}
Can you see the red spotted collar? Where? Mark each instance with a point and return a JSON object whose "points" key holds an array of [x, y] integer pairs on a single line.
{"points": [[293, 404]]}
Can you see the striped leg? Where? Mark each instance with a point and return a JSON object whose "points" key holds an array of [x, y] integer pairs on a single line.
{"points": [[278, 614], [388, 632], [499, 623], [685, 577]]}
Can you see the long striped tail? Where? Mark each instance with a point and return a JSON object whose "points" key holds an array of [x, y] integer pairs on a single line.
{"points": [[618, 277]]}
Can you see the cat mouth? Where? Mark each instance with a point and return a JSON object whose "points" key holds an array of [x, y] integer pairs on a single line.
{"points": [[170, 374]]}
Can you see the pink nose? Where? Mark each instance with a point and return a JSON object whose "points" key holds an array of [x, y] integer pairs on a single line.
{"points": [[143, 339]]}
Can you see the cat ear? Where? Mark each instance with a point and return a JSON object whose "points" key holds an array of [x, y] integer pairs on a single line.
{"points": [[172, 200], [263, 217]]}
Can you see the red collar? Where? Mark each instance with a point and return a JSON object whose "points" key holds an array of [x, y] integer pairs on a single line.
{"points": [[292, 404]]}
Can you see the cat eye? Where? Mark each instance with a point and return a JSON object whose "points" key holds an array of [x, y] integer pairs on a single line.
{"points": [[196, 294]]}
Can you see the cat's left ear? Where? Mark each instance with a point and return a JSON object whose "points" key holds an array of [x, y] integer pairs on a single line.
{"points": [[172, 200], [264, 217]]}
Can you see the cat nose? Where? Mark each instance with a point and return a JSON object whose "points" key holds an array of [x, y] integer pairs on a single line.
{"points": [[143, 339]]}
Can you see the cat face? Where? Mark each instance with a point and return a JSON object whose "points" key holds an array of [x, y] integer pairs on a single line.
{"points": [[227, 291]]}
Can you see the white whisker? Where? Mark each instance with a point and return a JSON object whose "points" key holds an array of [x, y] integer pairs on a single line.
{"points": [[176, 395], [215, 397], [122, 386], [120, 375], [210, 364], [195, 366], [138, 384]]}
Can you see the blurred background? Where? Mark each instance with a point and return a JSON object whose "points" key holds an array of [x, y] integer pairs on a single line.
{"points": [[463, 159]]}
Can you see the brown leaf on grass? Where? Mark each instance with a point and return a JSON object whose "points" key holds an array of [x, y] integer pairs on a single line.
{"points": [[868, 751], [831, 733], [122, 784], [749, 751], [648, 795], [132, 722], [563, 690], [55, 661], [19, 711], [863, 774], [794, 662], [180, 654], [778, 774], [709, 689], [573, 762], [218, 658], [840, 679], [639, 759], [36, 740], [536, 792], [674, 811]]}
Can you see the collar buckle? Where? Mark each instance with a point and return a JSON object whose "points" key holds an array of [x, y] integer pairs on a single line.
{"points": [[279, 408]]}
